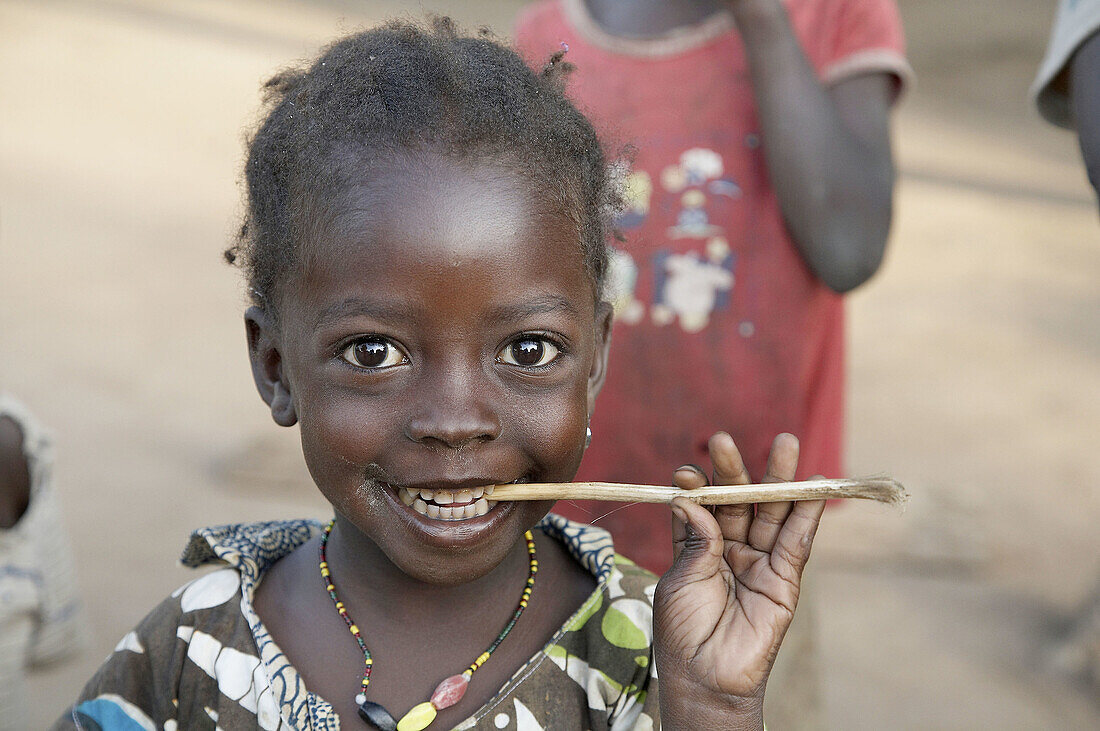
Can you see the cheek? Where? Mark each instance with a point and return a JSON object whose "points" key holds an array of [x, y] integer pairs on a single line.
{"points": [[555, 432], [338, 441]]}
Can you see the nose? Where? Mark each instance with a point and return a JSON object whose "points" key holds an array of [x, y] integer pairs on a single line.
{"points": [[456, 413]]}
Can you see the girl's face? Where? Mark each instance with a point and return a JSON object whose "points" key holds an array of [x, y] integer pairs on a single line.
{"points": [[441, 335]]}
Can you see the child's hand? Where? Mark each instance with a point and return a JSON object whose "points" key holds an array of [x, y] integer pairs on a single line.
{"points": [[721, 611]]}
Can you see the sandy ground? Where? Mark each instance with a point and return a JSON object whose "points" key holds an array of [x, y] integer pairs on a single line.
{"points": [[975, 354]]}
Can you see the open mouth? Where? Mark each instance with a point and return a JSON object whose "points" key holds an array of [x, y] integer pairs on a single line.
{"points": [[463, 504]]}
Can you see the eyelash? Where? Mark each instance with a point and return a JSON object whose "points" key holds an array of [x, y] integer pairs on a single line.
{"points": [[558, 347], [346, 352]]}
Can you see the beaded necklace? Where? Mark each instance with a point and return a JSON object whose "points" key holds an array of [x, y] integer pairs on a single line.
{"points": [[450, 690]]}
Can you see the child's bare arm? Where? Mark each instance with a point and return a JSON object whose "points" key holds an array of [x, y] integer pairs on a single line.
{"points": [[15, 481], [827, 150], [1085, 88], [721, 611]]}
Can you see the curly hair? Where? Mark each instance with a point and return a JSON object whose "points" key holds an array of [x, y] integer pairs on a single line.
{"points": [[407, 87]]}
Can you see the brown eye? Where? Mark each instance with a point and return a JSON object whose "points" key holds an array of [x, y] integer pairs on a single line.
{"points": [[529, 352], [373, 353]]}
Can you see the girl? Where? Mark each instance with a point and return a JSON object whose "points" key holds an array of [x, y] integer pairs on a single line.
{"points": [[425, 247]]}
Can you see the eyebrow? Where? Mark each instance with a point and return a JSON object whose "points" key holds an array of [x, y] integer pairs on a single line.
{"points": [[387, 313], [356, 306], [547, 304]]}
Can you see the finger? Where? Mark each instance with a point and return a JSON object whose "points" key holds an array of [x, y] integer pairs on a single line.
{"points": [[783, 459], [792, 548], [696, 541], [734, 521], [687, 477], [782, 465], [729, 468]]}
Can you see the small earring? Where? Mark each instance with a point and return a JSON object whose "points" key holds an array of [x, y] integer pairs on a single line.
{"points": [[587, 437]]}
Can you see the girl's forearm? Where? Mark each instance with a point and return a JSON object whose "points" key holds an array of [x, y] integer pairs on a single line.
{"points": [[834, 189]]}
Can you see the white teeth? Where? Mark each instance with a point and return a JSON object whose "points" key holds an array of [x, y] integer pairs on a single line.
{"points": [[475, 503], [489, 490], [427, 494]]}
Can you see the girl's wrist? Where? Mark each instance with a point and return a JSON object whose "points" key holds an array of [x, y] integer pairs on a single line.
{"points": [[687, 705]]}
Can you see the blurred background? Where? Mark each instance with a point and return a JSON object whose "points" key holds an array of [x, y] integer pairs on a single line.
{"points": [[974, 354]]}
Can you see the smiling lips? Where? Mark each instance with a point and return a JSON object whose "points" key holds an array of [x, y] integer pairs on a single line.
{"points": [[448, 504]]}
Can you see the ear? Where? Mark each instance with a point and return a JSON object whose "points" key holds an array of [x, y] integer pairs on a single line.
{"points": [[604, 317], [267, 366]]}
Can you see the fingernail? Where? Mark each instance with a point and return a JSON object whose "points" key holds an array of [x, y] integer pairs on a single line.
{"points": [[689, 468], [679, 513]]}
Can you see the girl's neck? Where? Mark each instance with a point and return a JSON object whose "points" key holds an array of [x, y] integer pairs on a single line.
{"points": [[365, 573], [650, 18]]}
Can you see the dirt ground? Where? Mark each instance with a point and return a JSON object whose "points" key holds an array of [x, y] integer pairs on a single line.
{"points": [[975, 353]]}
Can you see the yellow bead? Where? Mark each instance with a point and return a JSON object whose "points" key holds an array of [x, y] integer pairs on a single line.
{"points": [[354, 629], [419, 717]]}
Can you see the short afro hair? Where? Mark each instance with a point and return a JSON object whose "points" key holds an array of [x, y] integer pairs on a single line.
{"points": [[405, 87]]}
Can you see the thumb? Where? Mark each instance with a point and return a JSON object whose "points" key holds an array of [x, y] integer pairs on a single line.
{"points": [[697, 542]]}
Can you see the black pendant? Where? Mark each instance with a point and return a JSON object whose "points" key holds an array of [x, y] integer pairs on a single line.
{"points": [[377, 716]]}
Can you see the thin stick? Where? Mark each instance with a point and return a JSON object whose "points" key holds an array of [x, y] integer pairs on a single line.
{"points": [[882, 489]]}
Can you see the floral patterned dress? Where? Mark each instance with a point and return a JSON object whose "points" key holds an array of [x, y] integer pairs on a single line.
{"points": [[203, 658]]}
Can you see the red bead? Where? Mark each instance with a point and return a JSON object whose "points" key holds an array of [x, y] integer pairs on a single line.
{"points": [[450, 691]]}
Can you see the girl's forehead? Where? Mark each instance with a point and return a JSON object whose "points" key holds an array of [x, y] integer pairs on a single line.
{"points": [[403, 203], [434, 196], [439, 219]]}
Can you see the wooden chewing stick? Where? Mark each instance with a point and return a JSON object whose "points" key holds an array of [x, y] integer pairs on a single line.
{"points": [[882, 489]]}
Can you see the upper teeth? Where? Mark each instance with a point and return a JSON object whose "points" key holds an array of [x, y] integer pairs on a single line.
{"points": [[439, 504]]}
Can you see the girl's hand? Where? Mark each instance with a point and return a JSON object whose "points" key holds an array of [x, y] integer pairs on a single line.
{"points": [[721, 611]]}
